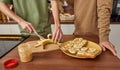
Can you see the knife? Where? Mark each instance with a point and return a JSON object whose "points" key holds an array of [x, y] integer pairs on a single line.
{"points": [[40, 37]]}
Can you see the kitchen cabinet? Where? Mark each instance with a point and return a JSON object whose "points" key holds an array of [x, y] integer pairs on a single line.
{"points": [[9, 31]]}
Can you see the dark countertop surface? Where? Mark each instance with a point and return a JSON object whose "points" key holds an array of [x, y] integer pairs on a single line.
{"points": [[7, 45]]}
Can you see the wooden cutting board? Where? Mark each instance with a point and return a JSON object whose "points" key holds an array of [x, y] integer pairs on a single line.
{"points": [[49, 47]]}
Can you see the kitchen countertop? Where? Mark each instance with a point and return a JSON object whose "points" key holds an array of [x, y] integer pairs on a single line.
{"points": [[57, 60], [8, 44]]}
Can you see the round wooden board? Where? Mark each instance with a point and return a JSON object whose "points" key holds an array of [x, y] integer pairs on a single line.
{"points": [[90, 45]]}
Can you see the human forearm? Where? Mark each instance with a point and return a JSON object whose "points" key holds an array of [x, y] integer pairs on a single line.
{"points": [[55, 12], [104, 9], [4, 8], [57, 35], [24, 24]]}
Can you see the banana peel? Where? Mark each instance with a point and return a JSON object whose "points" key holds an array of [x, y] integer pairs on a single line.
{"points": [[45, 42]]}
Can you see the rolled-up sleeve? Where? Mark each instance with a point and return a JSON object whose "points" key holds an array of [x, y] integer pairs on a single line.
{"points": [[104, 10], [7, 1]]}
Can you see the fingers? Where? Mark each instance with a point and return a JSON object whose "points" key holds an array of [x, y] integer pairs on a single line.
{"points": [[60, 38], [109, 46], [104, 49], [28, 27], [57, 36], [112, 49], [33, 29]]}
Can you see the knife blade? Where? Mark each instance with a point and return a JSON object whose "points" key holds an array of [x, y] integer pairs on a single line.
{"points": [[40, 37]]}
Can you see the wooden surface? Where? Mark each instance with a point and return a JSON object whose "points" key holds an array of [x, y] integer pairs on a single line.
{"points": [[39, 48], [57, 60]]}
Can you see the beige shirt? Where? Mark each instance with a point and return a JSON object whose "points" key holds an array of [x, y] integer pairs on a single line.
{"points": [[92, 17]]}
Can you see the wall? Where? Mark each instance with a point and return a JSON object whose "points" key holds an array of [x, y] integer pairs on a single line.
{"points": [[114, 36], [66, 28]]}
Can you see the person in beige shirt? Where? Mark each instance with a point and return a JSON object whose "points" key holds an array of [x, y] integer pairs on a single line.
{"points": [[92, 17]]}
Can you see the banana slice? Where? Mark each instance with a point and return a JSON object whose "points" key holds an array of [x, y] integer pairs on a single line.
{"points": [[80, 53], [72, 50], [91, 50], [38, 44], [84, 49]]}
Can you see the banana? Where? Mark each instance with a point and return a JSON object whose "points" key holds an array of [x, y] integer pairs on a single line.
{"points": [[49, 36], [44, 42]]}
